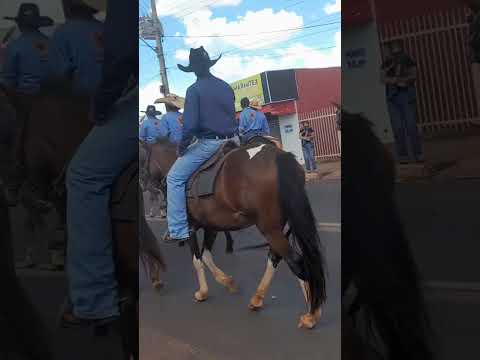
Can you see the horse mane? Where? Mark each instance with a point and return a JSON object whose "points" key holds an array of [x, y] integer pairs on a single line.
{"points": [[376, 254]]}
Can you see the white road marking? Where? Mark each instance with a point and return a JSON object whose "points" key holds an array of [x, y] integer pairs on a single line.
{"points": [[254, 151]]}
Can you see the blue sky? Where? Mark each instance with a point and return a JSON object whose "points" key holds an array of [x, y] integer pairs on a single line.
{"points": [[255, 51]]}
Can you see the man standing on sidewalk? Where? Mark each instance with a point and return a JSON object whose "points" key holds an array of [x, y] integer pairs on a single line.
{"points": [[306, 135], [399, 74]]}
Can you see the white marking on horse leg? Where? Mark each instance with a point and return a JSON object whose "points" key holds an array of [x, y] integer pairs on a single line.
{"points": [[218, 274], [202, 293], [308, 320], [256, 302], [254, 151]]}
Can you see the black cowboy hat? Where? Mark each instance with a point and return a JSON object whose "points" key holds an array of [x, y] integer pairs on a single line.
{"points": [[29, 14], [198, 58], [152, 108]]}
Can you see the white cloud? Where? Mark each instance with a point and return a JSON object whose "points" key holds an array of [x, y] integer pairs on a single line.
{"points": [[332, 8], [148, 94], [253, 22], [182, 54], [236, 67], [180, 8]]}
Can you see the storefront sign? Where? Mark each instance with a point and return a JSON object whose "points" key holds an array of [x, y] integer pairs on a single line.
{"points": [[251, 88]]}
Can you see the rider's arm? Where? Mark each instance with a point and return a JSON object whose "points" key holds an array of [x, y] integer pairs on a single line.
{"points": [[191, 116], [120, 56], [59, 56], [242, 122], [9, 70], [266, 127], [143, 133]]}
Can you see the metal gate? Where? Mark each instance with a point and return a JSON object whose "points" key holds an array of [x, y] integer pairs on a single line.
{"points": [[439, 44], [324, 124]]}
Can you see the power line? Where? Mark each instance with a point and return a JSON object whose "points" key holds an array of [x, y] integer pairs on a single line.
{"points": [[250, 34]]}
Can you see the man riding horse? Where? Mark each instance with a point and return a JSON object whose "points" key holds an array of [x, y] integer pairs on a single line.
{"points": [[24, 70], [96, 165], [253, 122], [209, 116]]}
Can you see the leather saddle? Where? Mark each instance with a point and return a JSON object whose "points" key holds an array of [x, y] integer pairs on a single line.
{"points": [[202, 182], [264, 140]]}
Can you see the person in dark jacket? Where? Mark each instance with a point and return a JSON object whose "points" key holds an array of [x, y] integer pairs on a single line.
{"points": [[109, 148], [209, 116]]}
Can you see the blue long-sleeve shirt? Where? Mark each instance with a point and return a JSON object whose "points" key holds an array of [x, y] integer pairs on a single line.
{"points": [[120, 60], [151, 129], [209, 109], [26, 62], [253, 121], [77, 47], [171, 127]]}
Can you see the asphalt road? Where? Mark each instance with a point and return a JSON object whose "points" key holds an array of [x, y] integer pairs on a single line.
{"points": [[173, 326], [443, 228]]}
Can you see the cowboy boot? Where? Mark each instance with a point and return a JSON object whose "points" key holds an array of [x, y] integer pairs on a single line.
{"points": [[57, 261], [27, 262]]}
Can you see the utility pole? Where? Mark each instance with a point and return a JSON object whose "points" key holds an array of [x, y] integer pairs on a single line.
{"points": [[158, 29]]}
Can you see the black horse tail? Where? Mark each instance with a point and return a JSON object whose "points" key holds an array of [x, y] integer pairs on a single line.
{"points": [[305, 258]]}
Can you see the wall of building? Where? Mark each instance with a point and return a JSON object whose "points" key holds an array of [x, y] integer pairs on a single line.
{"points": [[318, 88], [289, 130], [362, 89]]}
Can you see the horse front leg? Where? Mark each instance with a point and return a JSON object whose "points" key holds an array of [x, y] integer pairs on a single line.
{"points": [[202, 293], [218, 274]]}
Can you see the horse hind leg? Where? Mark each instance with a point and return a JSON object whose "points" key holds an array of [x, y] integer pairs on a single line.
{"points": [[309, 319], [202, 293], [218, 274], [256, 302], [279, 243]]}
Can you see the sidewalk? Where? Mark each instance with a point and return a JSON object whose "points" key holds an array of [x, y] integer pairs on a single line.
{"points": [[326, 171], [448, 158]]}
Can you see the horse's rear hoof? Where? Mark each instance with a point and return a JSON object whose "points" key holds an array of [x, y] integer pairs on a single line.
{"points": [[158, 284], [200, 296], [256, 303], [308, 321]]}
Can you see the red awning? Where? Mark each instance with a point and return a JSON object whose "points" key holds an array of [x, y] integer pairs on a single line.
{"points": [[280, 109]]}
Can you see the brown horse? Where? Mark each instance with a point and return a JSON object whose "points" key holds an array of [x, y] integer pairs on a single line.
{"points": [[57, 124], [264, 186], [21, 329], [156, 185]]}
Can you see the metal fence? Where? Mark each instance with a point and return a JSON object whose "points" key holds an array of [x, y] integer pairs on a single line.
{"points": [[324, 124], [439, 44]]}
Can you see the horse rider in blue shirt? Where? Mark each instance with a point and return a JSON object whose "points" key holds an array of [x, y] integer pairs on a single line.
{"points": [[170, 123], [150, 129], [209, 116], [253, 122], [76, 48], [108, 149], [24, 70]]}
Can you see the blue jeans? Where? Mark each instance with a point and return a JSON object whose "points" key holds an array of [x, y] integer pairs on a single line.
{"points": [[197, 154], [99, 160], [309, 156], [403, 115]]}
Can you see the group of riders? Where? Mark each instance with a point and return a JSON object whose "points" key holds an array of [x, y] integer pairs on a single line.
{"points": [[96, 62], [100, 65], [252, 123]]}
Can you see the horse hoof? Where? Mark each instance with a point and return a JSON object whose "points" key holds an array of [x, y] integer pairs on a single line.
{"points": [[308, 321], [200, 296], [256, 303], [229, 284], [158, 284]]}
